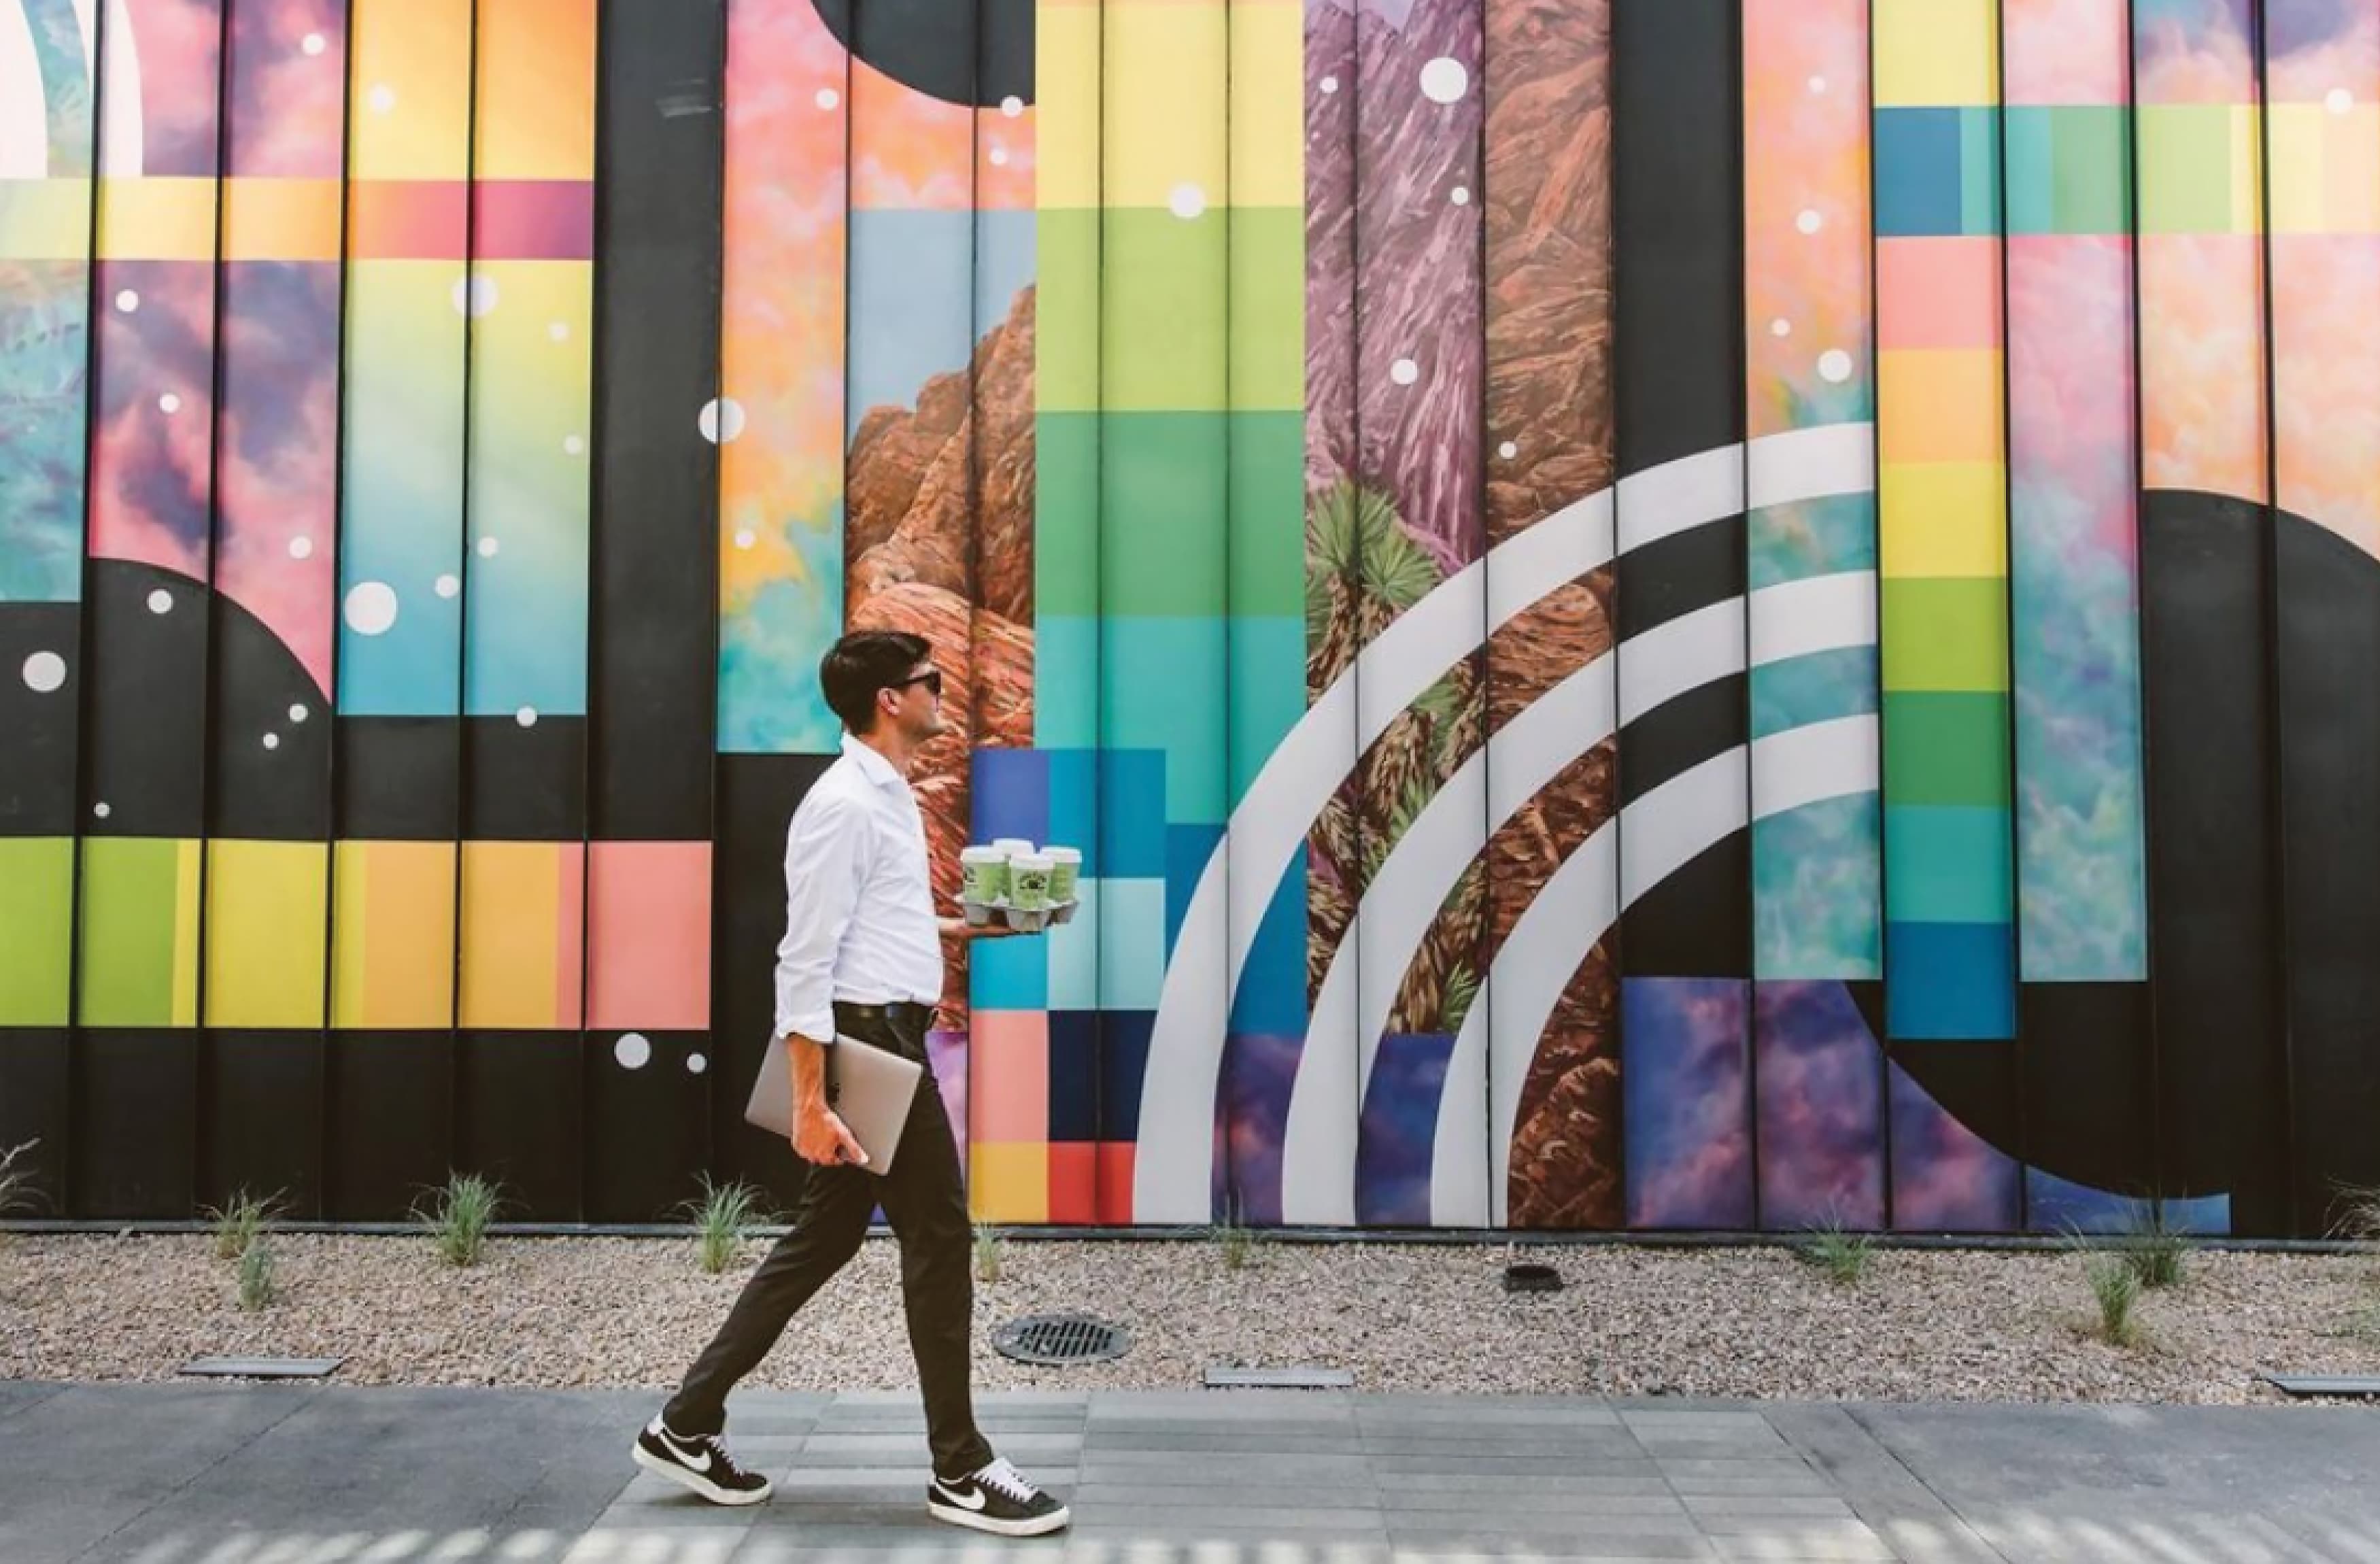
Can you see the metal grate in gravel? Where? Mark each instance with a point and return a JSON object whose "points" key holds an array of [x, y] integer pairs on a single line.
{"points": [[1060, 1339]]}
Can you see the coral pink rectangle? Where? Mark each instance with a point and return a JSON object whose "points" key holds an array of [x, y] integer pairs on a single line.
{"points": [[533, 219], [650, 933], [1073, 1183], [1008, 1077], [1937, 293]]}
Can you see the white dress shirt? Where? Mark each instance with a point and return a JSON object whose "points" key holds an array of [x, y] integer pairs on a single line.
{"points": [[859, 909]]}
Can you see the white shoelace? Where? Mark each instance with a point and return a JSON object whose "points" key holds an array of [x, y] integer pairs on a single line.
{"points": [[1007, 1480]]}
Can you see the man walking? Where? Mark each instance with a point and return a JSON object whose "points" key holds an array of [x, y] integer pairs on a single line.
{"points": [[861, 959]]}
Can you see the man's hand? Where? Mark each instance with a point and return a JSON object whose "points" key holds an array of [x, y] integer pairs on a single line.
{"points": [[959, 929], [821, 1137]]}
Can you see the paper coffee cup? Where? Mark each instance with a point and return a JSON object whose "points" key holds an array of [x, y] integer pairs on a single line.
{"points": [[983, 876], [1010, 846], [1029, 882], [1065, 872]]}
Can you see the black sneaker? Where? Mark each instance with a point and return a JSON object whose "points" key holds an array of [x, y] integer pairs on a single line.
{"points": [[996, 1499], [701, 1463]]}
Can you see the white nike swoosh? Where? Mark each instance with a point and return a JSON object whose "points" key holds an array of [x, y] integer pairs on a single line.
{"points": [[964, 1501], [693, 1463]]}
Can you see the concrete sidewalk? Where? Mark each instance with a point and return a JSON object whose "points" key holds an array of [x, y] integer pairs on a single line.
{"points": [[197, 1474]]}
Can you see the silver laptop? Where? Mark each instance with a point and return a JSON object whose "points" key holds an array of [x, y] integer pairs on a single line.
{"points": [[870, 1088]]}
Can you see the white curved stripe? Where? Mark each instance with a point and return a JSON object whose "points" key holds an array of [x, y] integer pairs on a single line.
{"points": [[1519, 761], [1817, 613], [24, 115], [1831, 759], [120, 152], [1173, 1163]]}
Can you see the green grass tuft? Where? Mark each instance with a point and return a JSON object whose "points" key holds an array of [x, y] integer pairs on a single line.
{"points": [[241, 1223], [2116, 1287], [256, 1289], [724, 1218], [459, 1216], [988, 1252], [1843, 1255]]}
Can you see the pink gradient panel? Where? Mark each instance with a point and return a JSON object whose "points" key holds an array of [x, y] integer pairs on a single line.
{"points": [[287, 103], [179, 45], [1938, 293], [1010, 1060], [2064, 51], [533, 219], [153, 413], [649, 936]]}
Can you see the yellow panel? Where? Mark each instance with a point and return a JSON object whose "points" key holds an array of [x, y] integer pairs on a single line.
{"points": [[1936, 51], [2351, 168], [187, 873], [44, 218], [1009, 1184], [537, 90], [157, 219], [411, 117], [1166, 75], [1267, 129], [2247, 173], [1938, 404], [281, 220], [511, 900], [1066, 107], [393, 935], [1944, 518], [266, 939]]}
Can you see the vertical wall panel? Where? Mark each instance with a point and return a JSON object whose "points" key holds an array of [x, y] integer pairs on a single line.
{"points": [[1684, 851], [2323, 163], [1811, 614], [2206, 614]]}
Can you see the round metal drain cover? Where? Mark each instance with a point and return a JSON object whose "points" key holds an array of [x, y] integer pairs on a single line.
{"points": [[1060, 1339]]}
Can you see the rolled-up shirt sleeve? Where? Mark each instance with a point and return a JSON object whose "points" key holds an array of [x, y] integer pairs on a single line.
{"points": [[826, 849]]}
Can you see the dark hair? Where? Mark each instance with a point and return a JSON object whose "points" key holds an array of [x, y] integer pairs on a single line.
{"points": [[863, 664]]}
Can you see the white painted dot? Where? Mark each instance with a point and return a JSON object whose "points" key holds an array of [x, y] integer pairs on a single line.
{"points": [[1508, 450], [1404, 372], [720, 420], [474, 296], [273, 741], [301, 547], [382, 97], [2338, 100], [161, 601], [559, 331], [129, 301], [744, 538], [1460, 195], [169, 404], [1817, 84], [297, 714], [1444, 80], [1187, 201], [371, 608], [1012, 105], [829, 99], [1780, 327], [102, 810], [1809, 222], [573, 447], [314, 44], [446, 586], [46, 673], [1834, 366], [525, 716], [1329, 84], [696, 1064], [632, 1050], [487, 548], [999, 155]]}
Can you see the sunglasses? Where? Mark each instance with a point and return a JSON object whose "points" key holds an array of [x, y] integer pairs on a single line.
{"points": [[931, 679]]}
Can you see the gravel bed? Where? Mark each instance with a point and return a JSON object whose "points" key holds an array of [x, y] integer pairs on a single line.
{"points": [[589, 1312]]}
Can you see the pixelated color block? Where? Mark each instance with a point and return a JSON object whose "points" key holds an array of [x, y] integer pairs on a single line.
{"points": [[1947, 747], [1067, 973], [393, 935], [1943, 518], [157, 218], [1936, 172], [1940, 405], [1073, 1112], [1008, 795], [1008, 1074], [1268, 693], [1937, 51], [1074, 807], [1015, 974], [1949, 981], [267, 945], [1065, 679], [524, 914], [140, 932], [1163, 512], [1270, 998], [1123, 1067], [36, 929], [1946, 634], [2326, 168], [648, 927], [1189, 848], [1073, 1183], [1131, 943], [280, 218], [1133, 812], [2069, 170], [1009, 1184], [1268, 520], [1944, 864], [1115, 1162], [1938, 292], [2199, 169]]}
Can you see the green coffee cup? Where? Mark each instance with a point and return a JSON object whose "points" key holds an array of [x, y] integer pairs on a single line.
{"points": [[983, 876], [1066, 873], [1029, 882]]}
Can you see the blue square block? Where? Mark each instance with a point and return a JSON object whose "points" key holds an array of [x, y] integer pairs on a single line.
{"points": [[1073, 1075], [1010, 796], [1187, 848], [1124, 1066], [1009, 974], [1272, 997], [1919, 163], [1132, 814], [1949, 981], [1131, 943], [1074, 780]]}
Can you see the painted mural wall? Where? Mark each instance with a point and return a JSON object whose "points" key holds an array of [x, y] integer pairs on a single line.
{"points": [[1651, 614]]}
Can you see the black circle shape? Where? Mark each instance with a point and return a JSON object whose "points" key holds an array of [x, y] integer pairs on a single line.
{"points": [[979, 53]]}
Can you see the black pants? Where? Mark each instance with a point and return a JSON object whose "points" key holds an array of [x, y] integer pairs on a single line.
{"points": [[926, 1202]]}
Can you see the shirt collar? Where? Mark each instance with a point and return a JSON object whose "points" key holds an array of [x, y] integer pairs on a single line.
{"points": [[872, 765]]}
